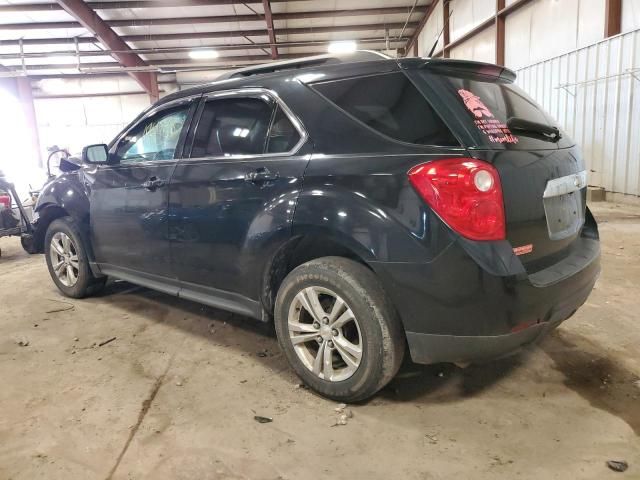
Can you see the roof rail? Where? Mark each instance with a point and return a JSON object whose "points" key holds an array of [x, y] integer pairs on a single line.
{"points": [[326, 59]]}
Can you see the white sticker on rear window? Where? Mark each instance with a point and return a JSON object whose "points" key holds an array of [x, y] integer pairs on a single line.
{"points": [[495, 130]]}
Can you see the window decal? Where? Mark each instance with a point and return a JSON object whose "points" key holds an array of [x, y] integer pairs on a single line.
{"points": [[494, 129]]}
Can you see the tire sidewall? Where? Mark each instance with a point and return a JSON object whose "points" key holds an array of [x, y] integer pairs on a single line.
{"points": [[366, 377], [68, 226]]}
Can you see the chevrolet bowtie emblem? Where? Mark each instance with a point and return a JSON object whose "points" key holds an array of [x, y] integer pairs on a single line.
{"points": [[577, 181]]}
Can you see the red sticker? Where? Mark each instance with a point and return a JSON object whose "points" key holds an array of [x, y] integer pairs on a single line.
{"points": [[494, 129], [524, 249]]}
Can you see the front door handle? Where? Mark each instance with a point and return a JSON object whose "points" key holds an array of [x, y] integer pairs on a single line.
{"points": [[153, 183], [260, 175]]}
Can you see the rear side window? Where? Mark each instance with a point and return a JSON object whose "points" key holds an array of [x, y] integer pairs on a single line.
{"points": [[232, 126], [391, 105], [283, 136], [243, 126]]}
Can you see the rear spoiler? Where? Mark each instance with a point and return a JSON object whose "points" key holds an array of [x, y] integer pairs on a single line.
{"points": [[464, 67]]}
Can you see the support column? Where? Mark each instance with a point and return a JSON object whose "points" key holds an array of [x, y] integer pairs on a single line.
{"points": [[500, 32], [25, 95], [20, 88], [446, 37], [613, 18]]}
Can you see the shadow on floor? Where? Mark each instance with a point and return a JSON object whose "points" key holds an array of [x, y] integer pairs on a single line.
{"points": [[584, 367], [596, 376]]}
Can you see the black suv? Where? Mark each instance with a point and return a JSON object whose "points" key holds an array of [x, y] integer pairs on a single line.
{"points": [[365, 204]]}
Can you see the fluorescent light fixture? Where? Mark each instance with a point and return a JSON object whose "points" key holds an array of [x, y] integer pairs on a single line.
{"points": [[343, 46], [203, 54]]}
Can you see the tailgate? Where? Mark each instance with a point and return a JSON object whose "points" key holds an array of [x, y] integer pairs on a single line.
{"points": [[544, 200], [542, 173]]}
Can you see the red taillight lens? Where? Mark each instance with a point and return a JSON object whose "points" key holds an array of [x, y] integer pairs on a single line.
{"points": [[465, 193], [5, 201]]}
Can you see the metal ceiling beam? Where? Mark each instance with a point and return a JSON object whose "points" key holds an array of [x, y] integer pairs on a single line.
{"points": [[421, 24], [44, 7], [94, 24], [225, 61], [220, 48], [268, 18], [148, 22], [220, 34]]}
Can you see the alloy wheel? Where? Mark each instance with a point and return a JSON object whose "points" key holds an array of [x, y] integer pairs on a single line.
{"points": [[325, 334], [64, 259]]}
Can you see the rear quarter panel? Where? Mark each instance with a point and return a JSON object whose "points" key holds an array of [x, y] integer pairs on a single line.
{"points": [[366, 203]]}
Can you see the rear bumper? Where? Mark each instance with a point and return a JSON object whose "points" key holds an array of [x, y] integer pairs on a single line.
{"points": [[427, 348], [454, 310]]}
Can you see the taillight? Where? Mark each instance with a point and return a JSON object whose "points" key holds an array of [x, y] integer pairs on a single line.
{"points": [[465, 193], [5, 201]]}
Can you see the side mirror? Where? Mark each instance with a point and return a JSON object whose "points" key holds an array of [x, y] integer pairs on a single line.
{"points": [[96, 154]]}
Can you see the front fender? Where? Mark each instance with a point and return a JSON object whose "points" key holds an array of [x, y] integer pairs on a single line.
{"points": [[66, 192], [63, 196]]}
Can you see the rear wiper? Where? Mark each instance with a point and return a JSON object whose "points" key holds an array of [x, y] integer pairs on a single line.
{"points": [[537, 130]]}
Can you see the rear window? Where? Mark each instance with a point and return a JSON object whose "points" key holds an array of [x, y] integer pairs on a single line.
{"points": [[391, 105], [490, 105]]}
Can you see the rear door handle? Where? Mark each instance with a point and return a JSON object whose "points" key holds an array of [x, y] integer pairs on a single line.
{"points": [[153, 183], [260, 175]]}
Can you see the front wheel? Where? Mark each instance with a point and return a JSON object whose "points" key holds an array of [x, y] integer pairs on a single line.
{"points": [[338, 329], [67, 260]]}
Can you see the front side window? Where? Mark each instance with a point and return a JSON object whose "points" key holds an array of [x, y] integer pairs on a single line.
{"points": [[155, 138], [391, 105]]}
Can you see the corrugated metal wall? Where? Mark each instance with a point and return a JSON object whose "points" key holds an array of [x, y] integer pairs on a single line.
{"points": [[594, 92]]}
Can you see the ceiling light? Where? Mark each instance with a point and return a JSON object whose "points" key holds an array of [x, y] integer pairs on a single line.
{"points": [[343, 46], [203, 54]]}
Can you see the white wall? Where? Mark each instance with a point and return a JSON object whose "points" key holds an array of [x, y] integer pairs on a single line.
{"points": [[430, 32], [481, 48], [467, 14], [630, 15], [75, 122], [594, 96], [540, 30], [547, 28]]}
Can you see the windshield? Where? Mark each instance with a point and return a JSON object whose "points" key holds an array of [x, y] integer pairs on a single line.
{"points": [[501, 115]]}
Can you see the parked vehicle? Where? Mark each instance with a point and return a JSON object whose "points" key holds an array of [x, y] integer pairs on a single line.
{"points": [[15, 217], [365, 204]]}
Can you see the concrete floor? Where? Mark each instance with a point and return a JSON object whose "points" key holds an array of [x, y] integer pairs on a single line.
{"points": [[175, 394]]}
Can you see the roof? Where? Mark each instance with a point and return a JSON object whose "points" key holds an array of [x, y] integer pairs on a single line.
{"points": [[340, 63]]}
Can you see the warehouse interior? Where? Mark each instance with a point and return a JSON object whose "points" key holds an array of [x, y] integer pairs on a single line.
{"points": [[134, 383]]}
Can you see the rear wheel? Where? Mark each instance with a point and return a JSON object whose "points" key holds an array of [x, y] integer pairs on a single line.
{"points": [[338, 329], [67, 260]]}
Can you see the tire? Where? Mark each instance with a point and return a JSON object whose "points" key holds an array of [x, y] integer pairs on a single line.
{"points": [[355, 374], [81, 282]]}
